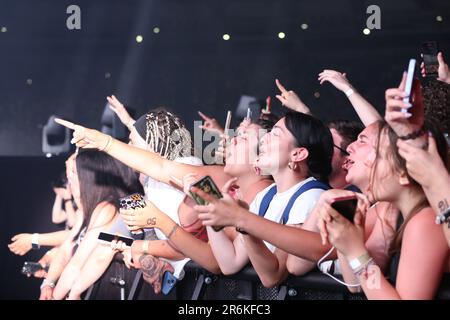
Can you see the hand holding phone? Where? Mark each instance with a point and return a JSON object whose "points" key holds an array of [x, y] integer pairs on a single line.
{"points": [[207, 185], [346, 206], [109, 237], [29, 268], [430, 51]]}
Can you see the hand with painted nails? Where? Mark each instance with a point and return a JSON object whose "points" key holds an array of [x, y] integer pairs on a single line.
{"points": [[443, 70], [290, 99], [210, 124], [84, 137], [404, 117]]}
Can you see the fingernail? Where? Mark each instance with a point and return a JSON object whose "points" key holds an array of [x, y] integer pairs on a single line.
{"points": [[407, 105], [408, 115]]}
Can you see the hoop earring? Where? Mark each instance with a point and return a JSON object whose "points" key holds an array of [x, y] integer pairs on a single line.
{"points": [[291, 166]]}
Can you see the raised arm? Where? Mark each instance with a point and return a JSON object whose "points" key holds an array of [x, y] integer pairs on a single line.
{"points": [[21, 243], [147, 162], [365, 110]]}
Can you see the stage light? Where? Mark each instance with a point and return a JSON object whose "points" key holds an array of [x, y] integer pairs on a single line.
{"points": [[107, 75], [317, 95], [29, 82], [281, 35], [55, 138], [304, 26], [226, 37], [139, 38], [156, 30], [366, 31], [4, 29], [439, 18]]}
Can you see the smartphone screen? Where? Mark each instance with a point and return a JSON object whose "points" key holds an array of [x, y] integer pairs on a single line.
{"points": [[429, 54], [346, 206], [108, 237]]}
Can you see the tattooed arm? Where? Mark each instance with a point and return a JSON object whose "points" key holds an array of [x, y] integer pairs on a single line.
{"points": [[153, 270]]}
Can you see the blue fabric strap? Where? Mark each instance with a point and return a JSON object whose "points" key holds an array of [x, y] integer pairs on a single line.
{"points": [[314, 184], [266, 201]]}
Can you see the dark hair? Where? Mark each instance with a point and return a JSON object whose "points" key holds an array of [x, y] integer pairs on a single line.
{"points": [[103, 178], [399, 164], [310, 133], [436, 100], [348, 130], [266, 121]]}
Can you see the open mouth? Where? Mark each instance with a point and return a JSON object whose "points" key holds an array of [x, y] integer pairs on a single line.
{"points": [[347, 164]]}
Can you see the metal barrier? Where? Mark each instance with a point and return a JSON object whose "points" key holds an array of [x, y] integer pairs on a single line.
{"points": [[199, 284]]}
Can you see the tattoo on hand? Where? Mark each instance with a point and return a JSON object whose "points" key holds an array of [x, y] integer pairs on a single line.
{"points": [[153, 270], [151, 221]]}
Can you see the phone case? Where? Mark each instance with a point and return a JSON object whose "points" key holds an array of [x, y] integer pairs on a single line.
{"points": [[169, 281], [132, 201], [346, 206], [207, 185], [31, 267]]}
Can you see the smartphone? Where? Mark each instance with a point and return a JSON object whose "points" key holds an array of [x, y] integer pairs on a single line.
{"points": [[169, 281], [346, 206], [430, 50], [409, 82], [207, 185], [108, 237], [30, 268]]}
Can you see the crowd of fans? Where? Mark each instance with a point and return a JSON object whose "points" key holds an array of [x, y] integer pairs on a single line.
{"points": [[280, 180]]}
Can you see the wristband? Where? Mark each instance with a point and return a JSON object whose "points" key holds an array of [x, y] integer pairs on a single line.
{"points": [[35, 241], [145, 245], [413, 135], [349, 92], [175, 227], [360, 261]]}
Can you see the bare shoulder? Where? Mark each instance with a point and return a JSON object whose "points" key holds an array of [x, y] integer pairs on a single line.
{"points": [[103, 214], [423, 225]]}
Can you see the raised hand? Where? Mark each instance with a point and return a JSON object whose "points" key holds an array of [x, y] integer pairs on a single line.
{"points": [[398, 119], [443, 70], [337, 79], [119, 109], [290, 99], [210, 124], [84, 137]]}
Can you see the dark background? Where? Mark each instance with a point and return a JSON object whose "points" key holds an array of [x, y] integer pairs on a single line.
{"points": [[187, 67]]}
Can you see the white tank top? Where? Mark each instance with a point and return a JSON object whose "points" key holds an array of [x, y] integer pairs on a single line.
{"points": [[168, 199]]}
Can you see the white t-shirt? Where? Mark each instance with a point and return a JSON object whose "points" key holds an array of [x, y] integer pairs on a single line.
{"points": [[167, 199], [300, 210]]}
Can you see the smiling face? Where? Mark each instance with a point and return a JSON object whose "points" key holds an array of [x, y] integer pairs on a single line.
{"points": [[241, 151], [275, 149]]}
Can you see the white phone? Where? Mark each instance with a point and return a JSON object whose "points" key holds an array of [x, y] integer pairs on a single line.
{"points": [[409, 82]]}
